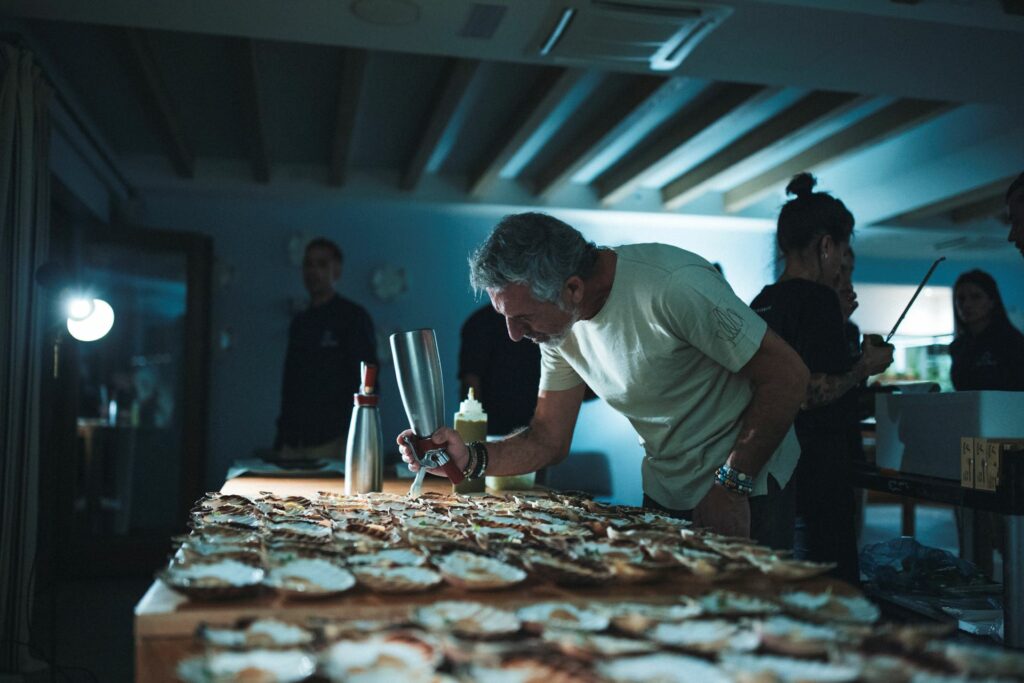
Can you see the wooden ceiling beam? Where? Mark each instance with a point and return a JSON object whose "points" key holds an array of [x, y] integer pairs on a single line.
{"points": [[885, 123], [622, 178], [353, 68], [994, 206], [156, 102], [779, 128], [253, 112], [952, 204], [455, 81], [581, 150], [548, 91]]}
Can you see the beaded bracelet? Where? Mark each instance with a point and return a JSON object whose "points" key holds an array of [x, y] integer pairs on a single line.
{"points": [[732, 479], [479, 457], [471, 463]]}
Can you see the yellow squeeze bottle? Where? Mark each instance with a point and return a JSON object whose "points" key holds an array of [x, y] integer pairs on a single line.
{"points": [[471, 424]]}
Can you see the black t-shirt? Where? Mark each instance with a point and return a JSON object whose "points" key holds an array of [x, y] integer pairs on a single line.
{"points": [[509, 371], [321, 371], [993, 360], [807, 315]]}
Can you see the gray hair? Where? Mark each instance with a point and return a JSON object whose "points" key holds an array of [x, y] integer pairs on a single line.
{"points": [[532, 249]]}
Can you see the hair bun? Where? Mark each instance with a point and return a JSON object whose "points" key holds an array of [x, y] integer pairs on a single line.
{"points": [[801, 185]]}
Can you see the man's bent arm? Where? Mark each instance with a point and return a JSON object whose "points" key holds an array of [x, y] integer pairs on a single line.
{"points": [[779, 379], [545, 442]]}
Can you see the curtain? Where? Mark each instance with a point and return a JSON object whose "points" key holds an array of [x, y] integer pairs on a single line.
{"points": [[24, 240]]}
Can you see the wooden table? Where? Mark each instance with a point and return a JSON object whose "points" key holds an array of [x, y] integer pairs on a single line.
{"points": [[165, 621]]}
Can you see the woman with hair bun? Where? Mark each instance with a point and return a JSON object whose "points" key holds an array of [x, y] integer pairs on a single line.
{"points": [[803, 307]]}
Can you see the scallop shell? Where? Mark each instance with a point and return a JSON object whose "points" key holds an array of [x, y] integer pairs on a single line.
{"points": [[662, 668], [829, 607], [981, 660], [262, 633], [788, 570], [636, 618], [730, 603], [595, 645], [562, 615], [790, 670], [788, 636], [396, 657], [706, 636], [214, 580], [310, 578], [551, 566], [395, 557], [467, 619], [477, 572], [397, 579], [266, 666], [299, 529]]}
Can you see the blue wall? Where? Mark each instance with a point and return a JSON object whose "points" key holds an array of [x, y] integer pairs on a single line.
{"points": [[431, 242], [1009, 275]]}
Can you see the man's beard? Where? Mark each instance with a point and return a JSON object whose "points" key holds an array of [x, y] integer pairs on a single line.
{"points": [[556, 340]]}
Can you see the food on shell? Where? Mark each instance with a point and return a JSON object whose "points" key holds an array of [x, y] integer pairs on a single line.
{"points": [[662, 668], [788, 636], [310, 578], [587, 645], [565, 570], [393, 557], [981, 660], [214, 580], [382, 579], [299, 530], [262, 633], [788, 569], [467, 619], [706, 636], [828, 607], [396, 657], [786, 670], [636, 618], [477, 572], [562, 615], [261, 666], [730, 603]]}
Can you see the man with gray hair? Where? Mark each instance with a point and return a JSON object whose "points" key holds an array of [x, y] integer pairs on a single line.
{"points": [[657, 333]]}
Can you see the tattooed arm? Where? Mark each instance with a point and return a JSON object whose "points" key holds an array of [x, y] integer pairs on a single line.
{"points": [[823, 389]]}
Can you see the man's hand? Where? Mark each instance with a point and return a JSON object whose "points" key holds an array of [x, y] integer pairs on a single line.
{"points": [[724, 512], [445, 438], [876, 354]]}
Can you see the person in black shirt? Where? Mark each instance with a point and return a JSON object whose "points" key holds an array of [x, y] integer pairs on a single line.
{"points": [[987, 351], [326, 344], [803, 307], [504, 374]]}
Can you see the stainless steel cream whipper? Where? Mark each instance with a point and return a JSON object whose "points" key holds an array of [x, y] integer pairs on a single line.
{"points": [[418, 369]]}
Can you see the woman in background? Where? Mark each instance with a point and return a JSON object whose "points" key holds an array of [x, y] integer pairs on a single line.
{"points": [[988, 351], [803, 307]]}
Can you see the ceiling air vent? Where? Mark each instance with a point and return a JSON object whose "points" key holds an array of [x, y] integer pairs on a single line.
{"points": [[660, 34]]}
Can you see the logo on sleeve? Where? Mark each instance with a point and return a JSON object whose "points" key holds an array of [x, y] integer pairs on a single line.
{"points": [[729, 324]]}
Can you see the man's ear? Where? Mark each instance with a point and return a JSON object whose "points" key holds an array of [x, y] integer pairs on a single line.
{"points": [[828, 248], [575, 286]]}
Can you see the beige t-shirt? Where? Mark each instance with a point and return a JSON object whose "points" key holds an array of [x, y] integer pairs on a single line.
{"points": [[664, 351]]}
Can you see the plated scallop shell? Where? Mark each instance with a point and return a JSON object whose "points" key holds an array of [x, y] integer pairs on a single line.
{"points": [[562, 615], [467, 619], [394, 557], [788, 636], [787, 569], [636, 618], [397, 656], [214, 580], [262, 633], [788, 670], [383, 579], [662, 668], [477, 572], [595, 645], [265, 666], [706, 636], [828, 607], [731, 603], [310, 578]]}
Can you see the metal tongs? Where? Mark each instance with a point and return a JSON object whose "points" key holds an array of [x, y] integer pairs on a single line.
{"points": [[914, 298], [431, 459]]}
